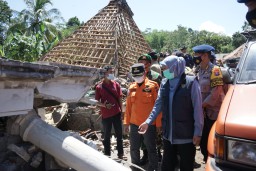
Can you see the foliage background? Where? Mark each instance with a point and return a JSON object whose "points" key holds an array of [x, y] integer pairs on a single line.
{"points": [[28, 34]]}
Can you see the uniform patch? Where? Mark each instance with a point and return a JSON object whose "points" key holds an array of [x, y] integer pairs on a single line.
{"points": [[216, 77], [147, 89]]}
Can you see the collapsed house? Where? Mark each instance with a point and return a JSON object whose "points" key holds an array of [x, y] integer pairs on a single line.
{"points": [[43, 93], [110, 37], [232, 59]]}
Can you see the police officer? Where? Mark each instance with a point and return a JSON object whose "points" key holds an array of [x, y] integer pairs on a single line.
{"points": [[139, 103], [211, 84], [251, 14]]}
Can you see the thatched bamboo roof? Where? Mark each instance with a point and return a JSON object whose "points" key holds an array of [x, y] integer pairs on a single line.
{"points": [[235, 54], [110, 37]]}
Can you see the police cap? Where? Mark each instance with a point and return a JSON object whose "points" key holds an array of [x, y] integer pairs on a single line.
{"points": [[145, 57], [137, 69], [203, 48]]}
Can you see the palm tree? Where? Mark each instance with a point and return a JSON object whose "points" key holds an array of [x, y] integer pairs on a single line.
{"points": [[36, 15], [36, 20]]}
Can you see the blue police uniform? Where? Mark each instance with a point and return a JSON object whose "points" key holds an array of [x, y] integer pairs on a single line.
{"points": [[211, 85]]}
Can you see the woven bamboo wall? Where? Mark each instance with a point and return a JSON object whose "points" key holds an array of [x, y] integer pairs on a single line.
{"points": [[110, 37]]}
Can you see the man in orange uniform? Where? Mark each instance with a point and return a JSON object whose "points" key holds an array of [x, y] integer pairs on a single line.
{"points": [[140, 101]]}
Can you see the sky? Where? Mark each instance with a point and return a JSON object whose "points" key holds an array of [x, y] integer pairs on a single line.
{"points": [[220, 16]]}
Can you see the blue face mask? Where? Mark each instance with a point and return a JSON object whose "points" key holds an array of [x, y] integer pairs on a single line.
{"points": [[167, 74], [111, 77]]}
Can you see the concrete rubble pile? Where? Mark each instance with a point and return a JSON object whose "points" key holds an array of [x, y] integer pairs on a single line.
{"points": [[34, 103], [84, 119]]}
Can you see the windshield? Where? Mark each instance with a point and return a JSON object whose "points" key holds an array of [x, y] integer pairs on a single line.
{"points": [[248, 70]]}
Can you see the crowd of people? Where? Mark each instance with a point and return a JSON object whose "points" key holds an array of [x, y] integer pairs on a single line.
{"points": [[165, 100]]}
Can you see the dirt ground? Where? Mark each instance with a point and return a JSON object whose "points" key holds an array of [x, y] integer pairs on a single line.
{"points": [[127, 163]]}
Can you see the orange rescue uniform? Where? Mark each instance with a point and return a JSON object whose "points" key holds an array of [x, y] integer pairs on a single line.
{"points": [[140, 102]]}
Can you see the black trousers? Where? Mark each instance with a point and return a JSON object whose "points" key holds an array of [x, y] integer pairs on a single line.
{"points": [[116, 121], [171, 151], [204, 139]]}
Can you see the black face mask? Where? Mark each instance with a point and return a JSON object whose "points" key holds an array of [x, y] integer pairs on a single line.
{"points": [[251, 18], [197, 60]]}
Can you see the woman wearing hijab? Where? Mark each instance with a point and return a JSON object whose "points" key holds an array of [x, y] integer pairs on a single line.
{"points": [[179, 100]]}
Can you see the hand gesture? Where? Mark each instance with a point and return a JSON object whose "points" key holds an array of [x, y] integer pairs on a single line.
{"points": [[108, 105], [143, 128]]}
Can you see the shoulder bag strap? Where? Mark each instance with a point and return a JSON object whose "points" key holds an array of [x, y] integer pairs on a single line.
{"points": [[105, 88]]}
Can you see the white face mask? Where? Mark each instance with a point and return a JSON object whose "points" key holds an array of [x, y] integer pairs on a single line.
{"points": [[111, 77], [139, 79]]}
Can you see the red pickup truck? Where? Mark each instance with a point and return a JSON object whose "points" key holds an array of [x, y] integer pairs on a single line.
{"points": [[232, 140]]}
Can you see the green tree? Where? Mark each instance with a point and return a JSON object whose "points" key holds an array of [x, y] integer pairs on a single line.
{"points": [[156, 39], [177, 38], [22, 47], [216, 40], [167, 41], [5, 16], [37, 18], [72, 25], [74, 21], [38, 23], [238, 39]]}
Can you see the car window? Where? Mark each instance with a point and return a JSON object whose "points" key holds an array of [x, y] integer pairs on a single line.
{"points": [[248, 70]]}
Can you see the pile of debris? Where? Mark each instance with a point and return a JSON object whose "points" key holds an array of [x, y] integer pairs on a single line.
{"points": [[84, 120]]}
